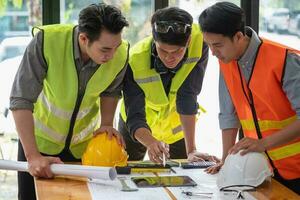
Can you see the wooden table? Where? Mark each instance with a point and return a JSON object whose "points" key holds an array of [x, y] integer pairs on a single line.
{"points": [[72, 188], [62, 188]]}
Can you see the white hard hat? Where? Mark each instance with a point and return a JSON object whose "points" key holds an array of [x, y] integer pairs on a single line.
{"points": [[248, 170]]}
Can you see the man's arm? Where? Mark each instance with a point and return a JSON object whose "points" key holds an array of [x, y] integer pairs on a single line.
{"points": [[281, 137], [108, 107], [188, 125], [228, 122], [27, 86], [187, 106], [155, 148], [228, 141], [38, 165], [109, 100], [134, 99]]}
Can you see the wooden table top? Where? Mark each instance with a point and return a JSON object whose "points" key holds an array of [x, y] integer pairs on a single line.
{"points": [[73, 188], [62, 188]]}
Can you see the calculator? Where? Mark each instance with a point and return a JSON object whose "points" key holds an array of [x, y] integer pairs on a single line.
{"points": [[198, 164]]}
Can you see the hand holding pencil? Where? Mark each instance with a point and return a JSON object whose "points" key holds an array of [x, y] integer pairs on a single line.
{"points": [[158, 151]]}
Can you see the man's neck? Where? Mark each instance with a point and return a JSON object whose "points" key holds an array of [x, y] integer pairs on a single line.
{"points": [[244, 45]]}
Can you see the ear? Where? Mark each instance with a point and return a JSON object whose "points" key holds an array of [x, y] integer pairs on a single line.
{"points": [[239, 36], [83, 38]]}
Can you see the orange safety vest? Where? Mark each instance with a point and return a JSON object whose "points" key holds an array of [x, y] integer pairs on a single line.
{"points": [[262, 106]]}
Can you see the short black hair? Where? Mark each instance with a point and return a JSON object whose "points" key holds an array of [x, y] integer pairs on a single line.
{"points": [[95, 17], [172, 14], [222, 18]]}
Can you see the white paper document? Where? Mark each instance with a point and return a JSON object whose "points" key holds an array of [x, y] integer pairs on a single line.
{"points": [[106, 173], [206, 183], [101, 189]]}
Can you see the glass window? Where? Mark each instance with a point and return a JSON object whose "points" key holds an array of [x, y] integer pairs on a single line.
{"points": [[279, 20], [195, 7], [208, 137], [137, 12], [16, 20]]}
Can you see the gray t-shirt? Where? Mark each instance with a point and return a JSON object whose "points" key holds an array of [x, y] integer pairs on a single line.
{"points": [[28, 82], [291, 82]]}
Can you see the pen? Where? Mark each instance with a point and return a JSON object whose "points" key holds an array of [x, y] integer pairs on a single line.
{"points": [[172, 170], [164, 159]]}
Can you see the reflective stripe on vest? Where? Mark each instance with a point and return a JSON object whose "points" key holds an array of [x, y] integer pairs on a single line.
{"points": [[147, 80], [191, 60], [60, 138], [177, 129], [77, 138], [55, 136], [63, 114], [248, 125], [285, 151]]}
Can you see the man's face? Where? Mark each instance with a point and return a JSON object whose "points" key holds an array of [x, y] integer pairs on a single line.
{"points": [[170, 55], [103, 49], [224, 48]]}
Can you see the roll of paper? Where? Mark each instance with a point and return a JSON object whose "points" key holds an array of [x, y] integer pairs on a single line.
{"points": [[92, 172]]}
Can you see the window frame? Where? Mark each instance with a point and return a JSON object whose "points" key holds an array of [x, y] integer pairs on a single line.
{"points": [[51, 11]]}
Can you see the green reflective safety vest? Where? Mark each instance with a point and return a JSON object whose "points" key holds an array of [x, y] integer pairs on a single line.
{"points": [[56, 103], [160, 108]]}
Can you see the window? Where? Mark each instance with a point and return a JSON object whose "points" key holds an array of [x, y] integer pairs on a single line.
{"points": [[280, 21], [137, 12], [16, 20]]}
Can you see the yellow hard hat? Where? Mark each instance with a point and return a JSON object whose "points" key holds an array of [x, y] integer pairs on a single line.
{"points": [[101, 151]]}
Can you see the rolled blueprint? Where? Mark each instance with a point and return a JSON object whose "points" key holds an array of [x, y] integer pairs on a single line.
{"points": [[106, 173]]}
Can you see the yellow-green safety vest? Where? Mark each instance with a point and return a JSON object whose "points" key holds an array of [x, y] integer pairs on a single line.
{"points": [[161, 114], [56, 103]]}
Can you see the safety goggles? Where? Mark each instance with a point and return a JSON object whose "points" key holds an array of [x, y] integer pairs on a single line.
{"points": [[176, 27], [239, 189]]}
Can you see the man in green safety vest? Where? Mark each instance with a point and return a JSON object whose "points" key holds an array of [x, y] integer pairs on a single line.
{"points": [[161, 85], [66, 89]]}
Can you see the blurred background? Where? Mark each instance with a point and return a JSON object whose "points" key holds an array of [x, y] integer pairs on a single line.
{"points": [[278, 20]]}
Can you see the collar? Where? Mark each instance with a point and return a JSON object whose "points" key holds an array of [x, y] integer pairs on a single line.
{"points": [[252, 48]]}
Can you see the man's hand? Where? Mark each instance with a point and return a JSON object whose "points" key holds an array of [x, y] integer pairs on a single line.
{"points": [[247, 145], [195, 156], [214, 169], [39, 166], [156, 149], [111, 131]]}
